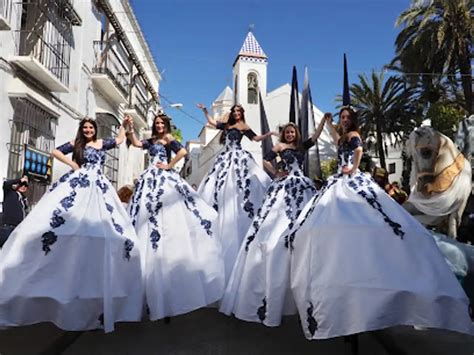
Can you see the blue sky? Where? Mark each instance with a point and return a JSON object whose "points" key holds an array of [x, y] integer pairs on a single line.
{"points": [[196, 42]]}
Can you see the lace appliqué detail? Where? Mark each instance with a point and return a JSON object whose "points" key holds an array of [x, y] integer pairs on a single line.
{"points": [[362, 186]]}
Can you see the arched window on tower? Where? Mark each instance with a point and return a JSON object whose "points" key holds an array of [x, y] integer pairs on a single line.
{"points": [[252, 88]]}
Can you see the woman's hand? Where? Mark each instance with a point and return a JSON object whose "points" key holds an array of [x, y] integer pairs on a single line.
{"points": [[201, 107], [281, 174], [346, 170], [328, 117], [74, 166], [163, 166], [128, 124], [127, 121]]}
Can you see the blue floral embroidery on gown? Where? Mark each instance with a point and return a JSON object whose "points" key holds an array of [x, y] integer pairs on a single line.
{"points": [[233, 138], [154, 185], [359, 182], [293, 186], [363, 185], [94, 160]]}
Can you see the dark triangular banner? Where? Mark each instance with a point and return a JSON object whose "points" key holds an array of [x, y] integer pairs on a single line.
{"points": [[303, 117], [267, 144], [346, 97], [318, 172], [294, 99]]}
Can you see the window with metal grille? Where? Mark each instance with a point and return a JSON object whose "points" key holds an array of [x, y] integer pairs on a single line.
{"points": [[107, 127], [33, 126]]}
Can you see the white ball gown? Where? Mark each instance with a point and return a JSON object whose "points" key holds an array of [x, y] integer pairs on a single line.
{"points": [[360, 262], [181, 254], [235, 187], [259, 287], [73, 261]]}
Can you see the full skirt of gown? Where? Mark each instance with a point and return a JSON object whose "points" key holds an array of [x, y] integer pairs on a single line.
{"points": [[235, 187], [360, 262], [74, 260], [259, 287], [182, 262]]}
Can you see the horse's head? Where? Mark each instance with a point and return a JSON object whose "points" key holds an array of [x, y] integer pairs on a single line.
{"points": [[423, 146]]}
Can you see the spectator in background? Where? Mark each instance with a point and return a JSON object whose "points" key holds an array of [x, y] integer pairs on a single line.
{"points": [[395, 191], [15, 206], [380, 176], [125, 194]]}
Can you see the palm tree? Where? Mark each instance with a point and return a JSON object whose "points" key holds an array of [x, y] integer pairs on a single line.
{"points": [[435, 43], [384, 107]]}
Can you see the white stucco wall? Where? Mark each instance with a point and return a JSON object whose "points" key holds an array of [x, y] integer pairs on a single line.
{"points": [[83, 99]]}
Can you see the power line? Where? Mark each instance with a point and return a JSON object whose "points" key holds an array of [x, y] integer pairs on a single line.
{"points": [[170, 102]]}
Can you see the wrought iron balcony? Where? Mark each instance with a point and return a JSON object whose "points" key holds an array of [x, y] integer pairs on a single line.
{"points": [[47, 62], [44, 43], [140, 102], [69, 12], [111, 70]]}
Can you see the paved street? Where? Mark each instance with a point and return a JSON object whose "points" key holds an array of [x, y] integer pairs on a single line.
{"points": [[208, 332]]}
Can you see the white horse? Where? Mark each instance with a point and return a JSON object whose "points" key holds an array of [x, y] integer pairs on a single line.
{"points": [[440, 179]]}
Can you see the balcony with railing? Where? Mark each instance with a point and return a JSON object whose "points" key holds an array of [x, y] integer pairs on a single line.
{"points": [[111, 70], [44, 43], [6, 8]]}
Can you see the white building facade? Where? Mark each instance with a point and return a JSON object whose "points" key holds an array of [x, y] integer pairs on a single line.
{"points": [[250, 78], [61, 61]]}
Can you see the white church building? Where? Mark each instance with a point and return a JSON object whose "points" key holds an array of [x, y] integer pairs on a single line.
{"points": [[249, 77]]}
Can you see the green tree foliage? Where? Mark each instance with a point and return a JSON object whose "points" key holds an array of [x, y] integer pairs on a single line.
{"points": [[434, 49], [177, 134], [445, 117], [384, 107], [328, 168]]}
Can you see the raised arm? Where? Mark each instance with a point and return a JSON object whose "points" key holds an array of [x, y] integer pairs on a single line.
{"points": [[8, 184], [318, 130], [130, 132], [121, 134], [261, 137], [60, 154], [210, 120], [335, 136]]}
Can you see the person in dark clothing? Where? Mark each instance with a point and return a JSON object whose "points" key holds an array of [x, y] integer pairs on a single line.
{"points": [[15, 206]]}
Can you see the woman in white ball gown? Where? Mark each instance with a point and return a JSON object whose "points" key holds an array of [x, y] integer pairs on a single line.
{"points": [[235, 185], [74, 260], [181, 253], [360, 262], [259, 287]]}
